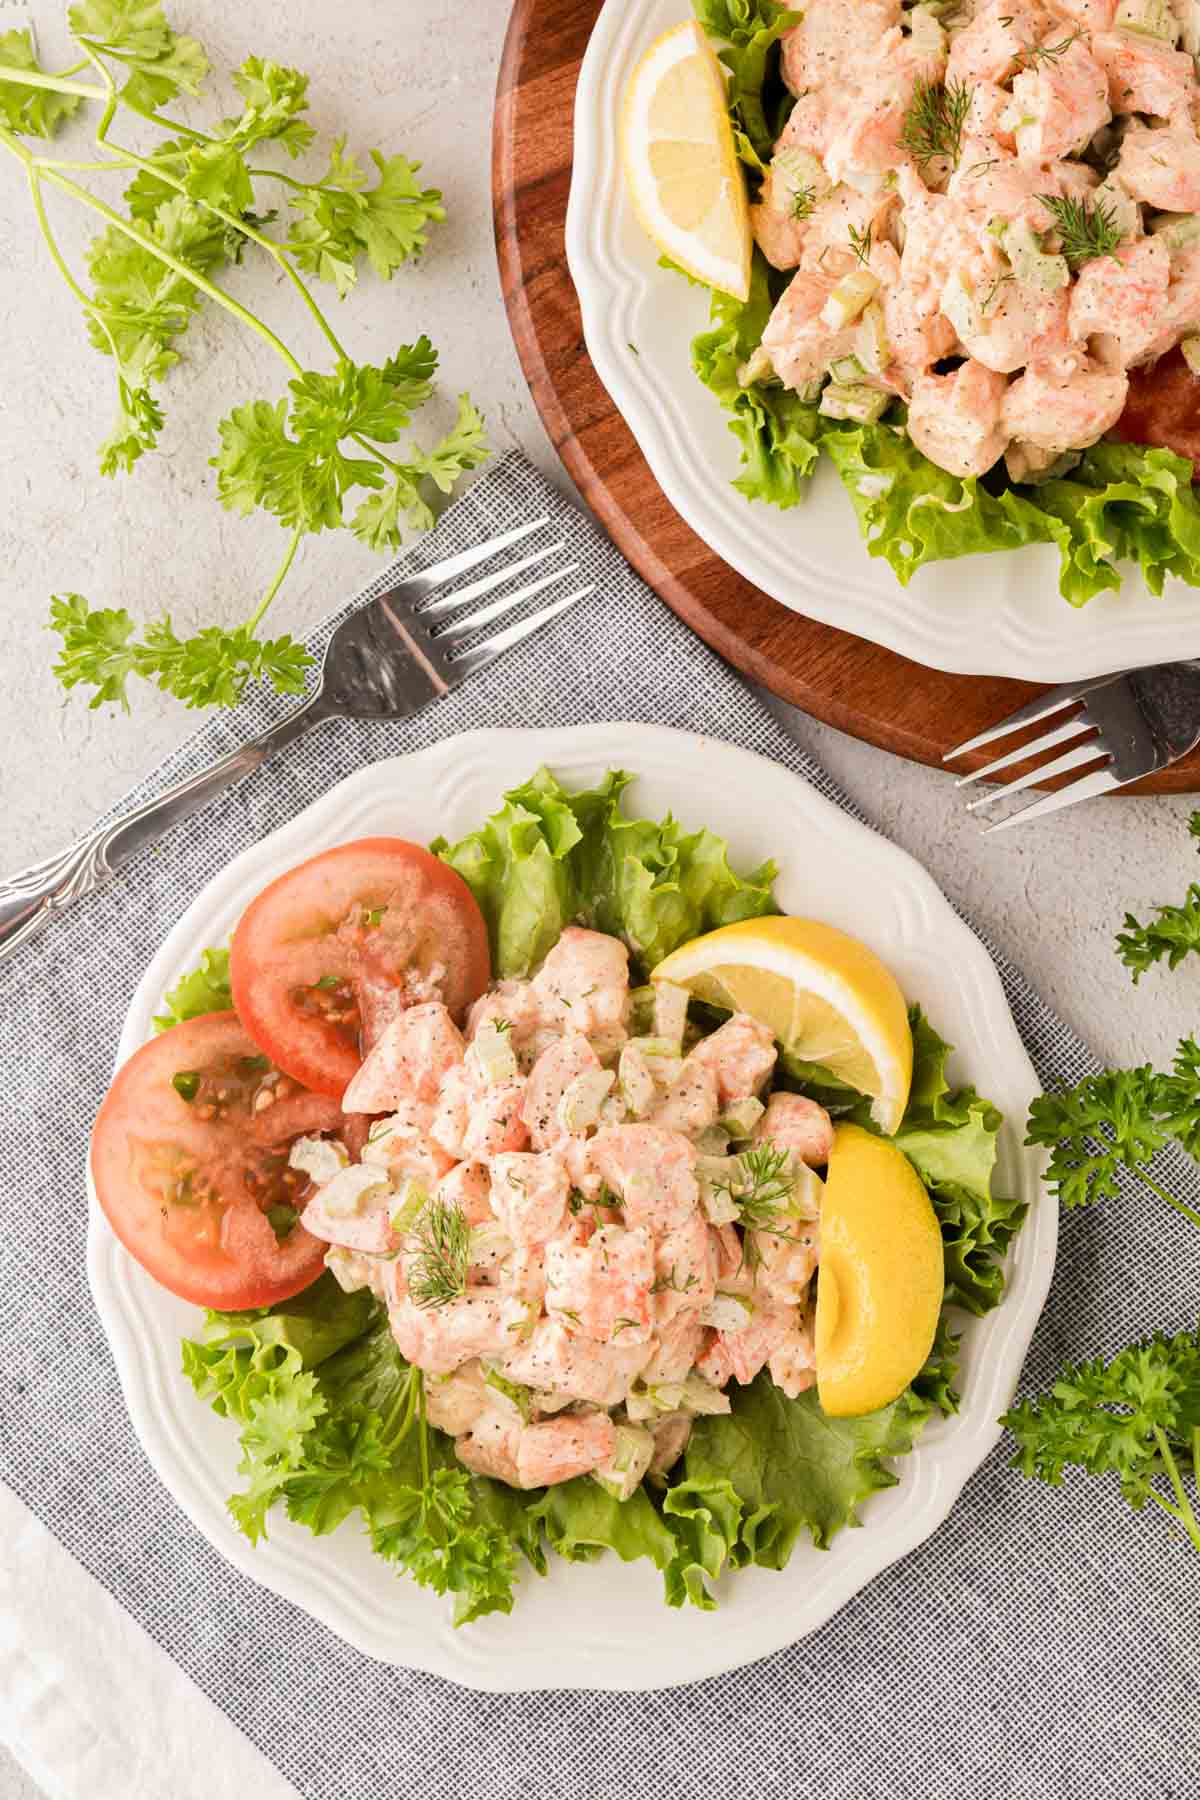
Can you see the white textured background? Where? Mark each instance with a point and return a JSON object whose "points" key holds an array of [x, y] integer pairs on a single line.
{"points": [[417, 76]]}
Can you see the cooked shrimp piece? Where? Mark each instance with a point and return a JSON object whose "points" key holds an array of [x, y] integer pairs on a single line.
{"points": [[1067, 415], [549, 1079], [792, 1122], [1093, 15], [690, 1103], [740, 1054], [467, 1186], [511, 1003], [798, 341], [684, 1268], [651, 1170], [404, 1145], [490, 1447], [748, 1350], [1145, 76], [1161, 167], [352, 1271], [1060, 104], [369, 1230], [1006, 323], [408, 1061], [495, 1121], [552, 1359], [583, 985], [778, 232], [455, 1402], [1119, 302], [786, 1259], [525, 1273], [715, 1362], [793, 1363], [676, 1347], [833, 41], [917, 332], [992, 46], [440, 1338], [827, 248], [559, 1449], [529, 1195], [603, 1287], [957, 419]]}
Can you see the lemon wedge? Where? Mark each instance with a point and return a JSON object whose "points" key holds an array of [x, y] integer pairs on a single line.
{"points": [[826, 997], [880, 1281], [681, 163]]}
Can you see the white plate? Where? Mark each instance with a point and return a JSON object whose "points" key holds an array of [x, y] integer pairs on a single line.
{"points": [[979, 615], [589, 1626]]}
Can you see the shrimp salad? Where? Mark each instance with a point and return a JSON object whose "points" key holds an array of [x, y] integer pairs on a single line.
{"points": [[978, 231], [547, 1263]]}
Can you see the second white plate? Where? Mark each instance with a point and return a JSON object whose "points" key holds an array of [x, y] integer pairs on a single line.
{"points": [[604, 1626], [980, 615]]}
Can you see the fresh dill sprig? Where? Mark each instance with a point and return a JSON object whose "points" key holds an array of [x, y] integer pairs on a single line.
{"points": [[861, 242], [803, 201], [1086, 229], [761, 1188], [438, 1270], [933, 124], [1037, 53]]}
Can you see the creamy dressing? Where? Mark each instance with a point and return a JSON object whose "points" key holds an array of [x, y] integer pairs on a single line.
{"points": [[932, 268], [583, 1224]]}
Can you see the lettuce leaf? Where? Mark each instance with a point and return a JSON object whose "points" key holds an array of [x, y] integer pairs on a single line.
{"points": [[548, 859], [203, 989], [749, 30]]}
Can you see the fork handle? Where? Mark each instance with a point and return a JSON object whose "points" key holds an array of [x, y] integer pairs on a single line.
{"points": [[1168, 698], [29, 898]]}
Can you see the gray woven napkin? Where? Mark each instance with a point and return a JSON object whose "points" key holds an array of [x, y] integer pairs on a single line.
{"points": [[1042, 1643]]}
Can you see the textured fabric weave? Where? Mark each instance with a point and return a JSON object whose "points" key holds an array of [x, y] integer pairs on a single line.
{"points": [[1042, 1646]]}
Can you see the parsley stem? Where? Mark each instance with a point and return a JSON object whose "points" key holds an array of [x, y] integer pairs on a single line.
{"points": [[1182, 1511], [1187, 1211], [424, 1434], [39, 207], [81, 90], [278, 578], [183, 269]]}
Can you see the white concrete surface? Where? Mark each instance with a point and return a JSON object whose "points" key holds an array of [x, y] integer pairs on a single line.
{"points": [[410, 77]]}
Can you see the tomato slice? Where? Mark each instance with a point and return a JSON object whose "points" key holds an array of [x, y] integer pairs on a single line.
{"points": [[190, 1160], [1163, 407], [328, 954]]}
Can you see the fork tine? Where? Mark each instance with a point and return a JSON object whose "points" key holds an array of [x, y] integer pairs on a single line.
{"points": [[1074, 758], [457, 629], [484, 653], [454, 566], [1033, 712], [1075, 724], [475, 590], [1100, 781]]}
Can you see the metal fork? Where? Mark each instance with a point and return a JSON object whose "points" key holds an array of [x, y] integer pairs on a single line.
{"points": [[409, 646], [1130, 724]]}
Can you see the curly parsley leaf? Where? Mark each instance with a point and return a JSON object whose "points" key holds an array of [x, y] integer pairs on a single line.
{"points": [[273, 99], [162, 63], [211, 668], [1105, 1123], [1172, 935], [341, 219], [1135, 1416], [380, 520], [30, 112]]}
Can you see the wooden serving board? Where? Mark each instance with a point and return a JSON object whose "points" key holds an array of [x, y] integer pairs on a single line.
{"points": [[857, 686]]}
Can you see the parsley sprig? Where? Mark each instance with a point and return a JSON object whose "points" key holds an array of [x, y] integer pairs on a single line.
{"points": [[193, 209], [933, 124], [1173, 934]]}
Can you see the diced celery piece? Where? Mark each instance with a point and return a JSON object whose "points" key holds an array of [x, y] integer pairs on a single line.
{"points": [[852, 293], [928, 35], [583, 1097], [1191, 353], [1031, 265], [808, 1192], [639, 1404], [670, 1011], [320, 1158], [490, 1243], [1189, 19], [411, 1202], [873, 352], [958, 304], [351, 1189], [661, 1057], [1149, 18], [796, 171], [758, 367], [518, 1397], [339, 1263], [636, 1082], [546, 1400], [701, 1397], [727, 1312], [740, 1119], [641, 1010], [1177, 230], [854, 401], [494, 1053], [1124, 209], [712, 1141]]}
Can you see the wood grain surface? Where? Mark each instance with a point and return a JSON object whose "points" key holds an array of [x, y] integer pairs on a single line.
{"points": [[857, 686]]}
